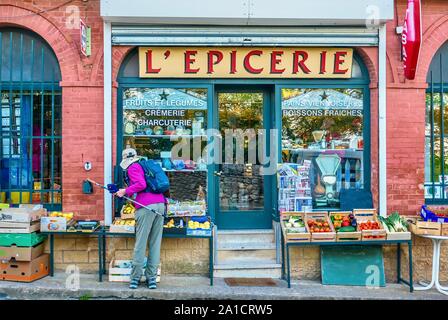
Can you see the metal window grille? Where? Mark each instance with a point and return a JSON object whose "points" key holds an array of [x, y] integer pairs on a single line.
{"points": [[31, 121]]}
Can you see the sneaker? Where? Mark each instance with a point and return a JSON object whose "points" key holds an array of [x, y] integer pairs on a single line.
{"points": [[151, 283], [133, 284]]}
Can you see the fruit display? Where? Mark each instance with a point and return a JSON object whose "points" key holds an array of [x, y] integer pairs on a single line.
{"points": [[199, 223], [344, 222], [67, 215], [128, 209], [295, 224], [174, 223], [318, 225], [369, 225], [121, 222]]}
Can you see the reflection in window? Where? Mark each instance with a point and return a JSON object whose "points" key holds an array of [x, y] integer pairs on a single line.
{"points": [[322, 131], [155, 120]]}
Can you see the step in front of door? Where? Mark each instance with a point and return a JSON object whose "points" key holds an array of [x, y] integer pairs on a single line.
{"points": [[248, 268]]}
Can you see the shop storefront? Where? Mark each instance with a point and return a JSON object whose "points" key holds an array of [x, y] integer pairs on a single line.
{"points": [[316, 84]]}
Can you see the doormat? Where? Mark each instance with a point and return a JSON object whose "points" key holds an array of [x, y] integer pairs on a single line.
{"points": [[250, 282]]}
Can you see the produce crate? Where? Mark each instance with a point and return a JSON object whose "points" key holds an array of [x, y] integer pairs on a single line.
{"points": [[363, 215], [297, 236], [25, 271], [397, 235], [174, 230], [444, 231], [432, 216], [428, 228], [55, 224], [19, 227], [321, 236], [21, 239], [345, 236], [126, 216], [24, 214], [122, 229], [119, 274], [21, 253]]}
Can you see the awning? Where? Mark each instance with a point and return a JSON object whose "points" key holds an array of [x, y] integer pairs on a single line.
{"points": [[149, 35]]}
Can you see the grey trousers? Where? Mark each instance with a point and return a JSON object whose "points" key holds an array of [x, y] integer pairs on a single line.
{"points": [[149, 227]]}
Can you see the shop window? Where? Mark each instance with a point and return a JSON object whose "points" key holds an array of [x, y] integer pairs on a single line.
{"points": [[436, 130], [169, 125], [323, 132], [31, 111]]}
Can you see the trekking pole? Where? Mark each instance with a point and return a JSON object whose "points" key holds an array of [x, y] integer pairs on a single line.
{"points": [[113, 188]]}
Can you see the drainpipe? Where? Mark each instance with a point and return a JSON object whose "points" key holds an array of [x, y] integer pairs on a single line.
{"points": [[382, 128], [107, 56]]}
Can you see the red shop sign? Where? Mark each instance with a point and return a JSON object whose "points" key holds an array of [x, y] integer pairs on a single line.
{"points": [[411, 38]]}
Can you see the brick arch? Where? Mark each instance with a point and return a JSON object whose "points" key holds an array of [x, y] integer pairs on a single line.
{"points": [[433, 38], [62, 45], [118, 56], [368, 56]]}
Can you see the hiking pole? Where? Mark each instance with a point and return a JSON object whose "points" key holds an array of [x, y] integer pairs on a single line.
{"points": [[113, 188]]}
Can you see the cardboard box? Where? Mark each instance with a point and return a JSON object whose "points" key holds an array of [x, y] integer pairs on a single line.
{"points": [[55, 224], [117, 274], [21, 239], [23, 215], [25, 271], [122, 228], [21, 253]]}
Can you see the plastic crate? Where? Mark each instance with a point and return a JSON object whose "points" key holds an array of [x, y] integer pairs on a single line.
{"points": [[428, 215]]}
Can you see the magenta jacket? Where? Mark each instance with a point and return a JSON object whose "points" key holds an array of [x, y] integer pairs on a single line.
{"points": [[137, 184]]}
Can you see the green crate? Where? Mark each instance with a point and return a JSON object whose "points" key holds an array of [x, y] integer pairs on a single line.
{"points": [[21, 239]]}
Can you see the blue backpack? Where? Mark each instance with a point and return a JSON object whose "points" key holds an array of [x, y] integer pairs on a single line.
{"points": [[156, 179]]}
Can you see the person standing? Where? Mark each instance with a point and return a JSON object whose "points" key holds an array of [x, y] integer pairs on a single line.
{"points": [[148, 220]]}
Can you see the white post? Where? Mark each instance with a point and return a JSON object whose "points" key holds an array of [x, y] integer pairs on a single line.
{"points": [[382, 127], [107, 30]]}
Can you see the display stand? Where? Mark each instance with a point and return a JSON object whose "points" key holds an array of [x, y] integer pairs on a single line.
{"points": [[103, 232], [97, 233], [106, 233], [287, 246]]}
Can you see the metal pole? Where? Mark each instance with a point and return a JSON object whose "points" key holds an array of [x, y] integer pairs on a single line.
{"points": [[107, 29], [382, 127]]}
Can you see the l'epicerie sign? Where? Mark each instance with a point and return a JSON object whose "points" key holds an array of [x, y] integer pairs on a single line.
{"points": [[245, 62]]}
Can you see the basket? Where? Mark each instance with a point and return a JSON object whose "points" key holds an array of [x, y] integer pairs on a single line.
{"points": [[345, 236], [321, 236], [294, 236], [363, 215]]}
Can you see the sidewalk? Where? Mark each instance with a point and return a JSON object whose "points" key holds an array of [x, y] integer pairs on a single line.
{"points": [[173, 288]]}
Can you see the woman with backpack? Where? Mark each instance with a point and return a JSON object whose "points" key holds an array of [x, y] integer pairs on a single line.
{"points": [[148, 219]]}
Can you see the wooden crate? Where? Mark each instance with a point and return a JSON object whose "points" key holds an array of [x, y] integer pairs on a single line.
{"points": [[426, 228], [397, 235], [363, 215], [321, 236], [19, 227], [345, 236], [126, 216], [117, 274], [444, 231], [294, 237]]}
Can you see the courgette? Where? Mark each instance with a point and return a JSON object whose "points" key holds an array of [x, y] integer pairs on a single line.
{"points": [[347, 229]]}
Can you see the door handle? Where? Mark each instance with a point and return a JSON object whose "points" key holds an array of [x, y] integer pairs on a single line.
{"points": [[217, 173]]}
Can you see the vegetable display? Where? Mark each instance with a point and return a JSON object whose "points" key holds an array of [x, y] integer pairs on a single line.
{"points": [[295, 224], [344, 223], [318, 225], [395, 223]]}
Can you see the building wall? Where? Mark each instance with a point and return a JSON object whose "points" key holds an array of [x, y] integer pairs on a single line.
{"points": [[83, 132]]}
